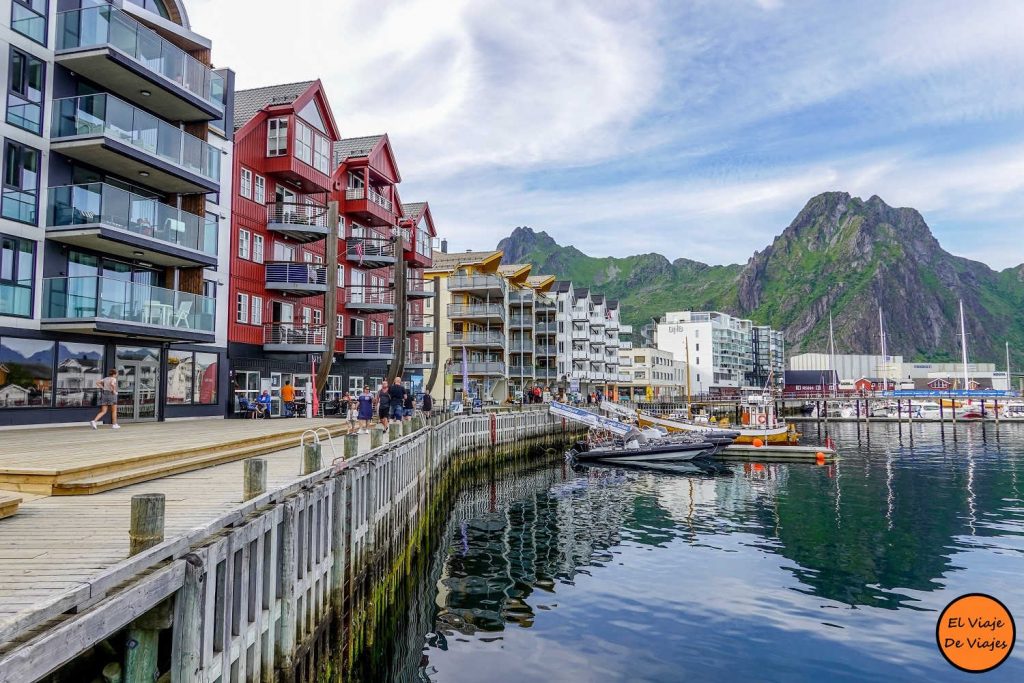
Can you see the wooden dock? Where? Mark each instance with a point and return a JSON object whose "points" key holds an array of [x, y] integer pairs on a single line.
{"points": [[777, 453]]}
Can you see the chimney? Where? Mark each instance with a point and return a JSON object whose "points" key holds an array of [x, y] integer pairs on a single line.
{"points": [[444, 246]]}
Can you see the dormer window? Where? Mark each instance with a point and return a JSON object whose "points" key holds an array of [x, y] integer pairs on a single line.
{"points": [[277, 137]]}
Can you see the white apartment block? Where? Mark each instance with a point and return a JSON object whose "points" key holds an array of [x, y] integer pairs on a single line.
{"points": [[725, 353], [654, 374], [587, 341]]}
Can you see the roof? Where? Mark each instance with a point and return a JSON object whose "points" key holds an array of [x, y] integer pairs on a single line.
{"points": [[250, 102], [561, 286], [582, 293], [413, 211], [812, 377], [611, 304], [443, 261], [355, 147], [512, 269], [597, 298]]}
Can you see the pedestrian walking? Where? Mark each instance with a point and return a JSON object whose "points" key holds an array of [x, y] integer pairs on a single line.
{"points": [[383, 404], [428, 405], [397, 394], [365, 401], [108, 400], [351, 408]]}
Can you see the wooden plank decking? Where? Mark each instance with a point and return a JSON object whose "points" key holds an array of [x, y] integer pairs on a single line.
{"points": [[72, 461], [59, 543]]}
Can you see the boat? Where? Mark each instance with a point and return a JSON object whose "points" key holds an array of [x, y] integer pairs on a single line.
{"points": [[760, 424], [636, 448], [1014, 410]]}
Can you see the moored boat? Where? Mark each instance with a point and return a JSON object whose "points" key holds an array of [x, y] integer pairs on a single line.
{"points": [[761, 425]]}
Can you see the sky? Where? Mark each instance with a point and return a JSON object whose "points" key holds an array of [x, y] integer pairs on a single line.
{"points": [[693, 128]]}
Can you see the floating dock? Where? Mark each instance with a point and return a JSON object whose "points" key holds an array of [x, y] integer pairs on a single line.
{"points": [[777, 453]]}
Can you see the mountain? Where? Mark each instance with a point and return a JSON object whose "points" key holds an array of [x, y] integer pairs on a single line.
{"points": [[840, 254]]}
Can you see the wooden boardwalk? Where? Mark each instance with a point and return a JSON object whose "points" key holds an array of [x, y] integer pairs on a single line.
{"points": [[71, 461], [57, 543]]}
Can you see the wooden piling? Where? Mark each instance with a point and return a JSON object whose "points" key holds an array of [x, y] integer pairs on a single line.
{"points": [[254, 478], [394, 431], [284, 657], [147, 522], [187, 641], [112, 673], [351, 448], [142, 643], [311, 458], [376, 437], [407, 427]]}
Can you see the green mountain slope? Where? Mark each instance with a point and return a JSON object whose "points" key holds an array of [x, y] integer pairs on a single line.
{"points": [[840, 253]]}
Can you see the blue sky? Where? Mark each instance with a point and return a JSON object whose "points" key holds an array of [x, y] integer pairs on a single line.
{"points": [[692, 128]]}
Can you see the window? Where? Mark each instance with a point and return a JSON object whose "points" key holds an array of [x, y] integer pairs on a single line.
{"points": [[17, 271], [26, 379], [698, 347], [242, 308], [28, 17], [191, 378], [341, 276], [307, 315], [25, 92], [284, 252], [79, 367], [245, 184], [318, 316], [303, 143], [210, 288], [257, 248], [243, 244], [256, 315], [21, 183], [322, 155], [341, 324], [260, 196], [277, 137], [307, 257], [358, 327]]}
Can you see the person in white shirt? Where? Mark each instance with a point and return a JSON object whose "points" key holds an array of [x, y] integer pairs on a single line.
{"points": [[108, 400]]}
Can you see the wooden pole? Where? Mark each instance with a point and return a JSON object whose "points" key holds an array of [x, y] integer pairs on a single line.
{"points": [[147, 522], [187, 643], [407, 426], [254, 478], [311, 458], [394, 431], [351, 449], [142, 644], [284, 657], [376, 437], [330, 300]]}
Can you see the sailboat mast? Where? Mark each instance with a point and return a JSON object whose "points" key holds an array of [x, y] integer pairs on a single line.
{"points": [[832, 353], [963, 346], [885, 358], [1009, 382]]}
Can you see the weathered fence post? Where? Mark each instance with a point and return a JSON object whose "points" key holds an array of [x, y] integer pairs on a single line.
{"points": [[187, 642], [311, 458], [147, 523], [394, 432], [142, 644], [407, 427], [254, 478], [285, 655], [339, 548], [417, 423], [351, 449], [376, 437]]}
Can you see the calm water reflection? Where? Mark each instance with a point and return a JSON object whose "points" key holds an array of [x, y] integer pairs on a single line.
{"points": [[757, 572]]}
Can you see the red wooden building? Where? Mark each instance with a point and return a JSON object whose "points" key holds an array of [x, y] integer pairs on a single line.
{"points": [[290, 161]]}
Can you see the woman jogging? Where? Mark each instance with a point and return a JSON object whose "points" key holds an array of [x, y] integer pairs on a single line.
{"points": [[108, 400]]}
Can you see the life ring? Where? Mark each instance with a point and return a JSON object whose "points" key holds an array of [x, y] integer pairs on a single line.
{"points": [[761, 419]]}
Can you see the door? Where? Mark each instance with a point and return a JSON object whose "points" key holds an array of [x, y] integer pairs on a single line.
{"points": [[138, 383]]}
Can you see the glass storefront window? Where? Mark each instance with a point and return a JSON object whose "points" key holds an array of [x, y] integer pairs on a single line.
{"points": [[79, 367], [26, 372], [206, 379], [180, 366]]}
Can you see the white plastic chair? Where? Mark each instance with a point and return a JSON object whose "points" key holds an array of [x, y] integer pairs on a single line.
{"points": [[182, 315]]}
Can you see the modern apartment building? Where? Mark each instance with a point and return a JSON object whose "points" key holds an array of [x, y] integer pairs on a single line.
{"points": [[114, 212], [587, 341], [654, 374], [290, 163], [726, 354]]}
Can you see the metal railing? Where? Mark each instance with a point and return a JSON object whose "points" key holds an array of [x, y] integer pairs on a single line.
{"points": [[521, 321], [476, 311], [479, 367], [369, 248], [419, 320], [519, 296], [521, 371], [521, 346], [93, 203], [307, 213], [357, 193], [488, 338], [579, 335], [90, 296], [579, 314], [417, 285], [295, 272], [625, 329], [288, 333], [545, 328], [109, 26], [457, 282], [367, 294], [545, 350], [377, 346], [104, 114], [419, 358]]}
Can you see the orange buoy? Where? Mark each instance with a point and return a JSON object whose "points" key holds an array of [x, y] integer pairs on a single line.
{"points": [[820, 458], [758, 443], [758, 467]]}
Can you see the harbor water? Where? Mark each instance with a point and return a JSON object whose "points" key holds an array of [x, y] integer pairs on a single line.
{"points": [[740, 571]]}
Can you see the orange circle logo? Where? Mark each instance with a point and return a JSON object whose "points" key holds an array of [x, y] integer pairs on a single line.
{"points": [[975, 633]]}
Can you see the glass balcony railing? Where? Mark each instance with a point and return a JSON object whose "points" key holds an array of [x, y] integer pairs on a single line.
{"points": [[108, 205], [457, 282], [73, 298], [104, 114], [108, 26]]}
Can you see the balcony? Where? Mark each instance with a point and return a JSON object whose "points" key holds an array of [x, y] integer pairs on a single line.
{"points": [[369, 299], [579, 354], [480, 285], [369, 348], [611, 342], [521, 321], [100, 305], [418, 288], [478, 367], [303, 221], [543, 303], [545, 328], [369, 207], [625, 329], [625, 362], [111, 48], [612, 324], [481, 339], [597, 320], [294, 338], [623, 344], [416, 323], [579, 315], [521, 297], [111, 134], [520, 346], [597, 339], [296, 278], [370, 252], [578, 334], [521, 371], [113, 221], [477, 311], [419, 360], [545, 350]]}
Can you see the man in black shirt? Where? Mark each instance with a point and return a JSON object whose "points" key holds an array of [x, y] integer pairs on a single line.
{"points": [[397, 392]]}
